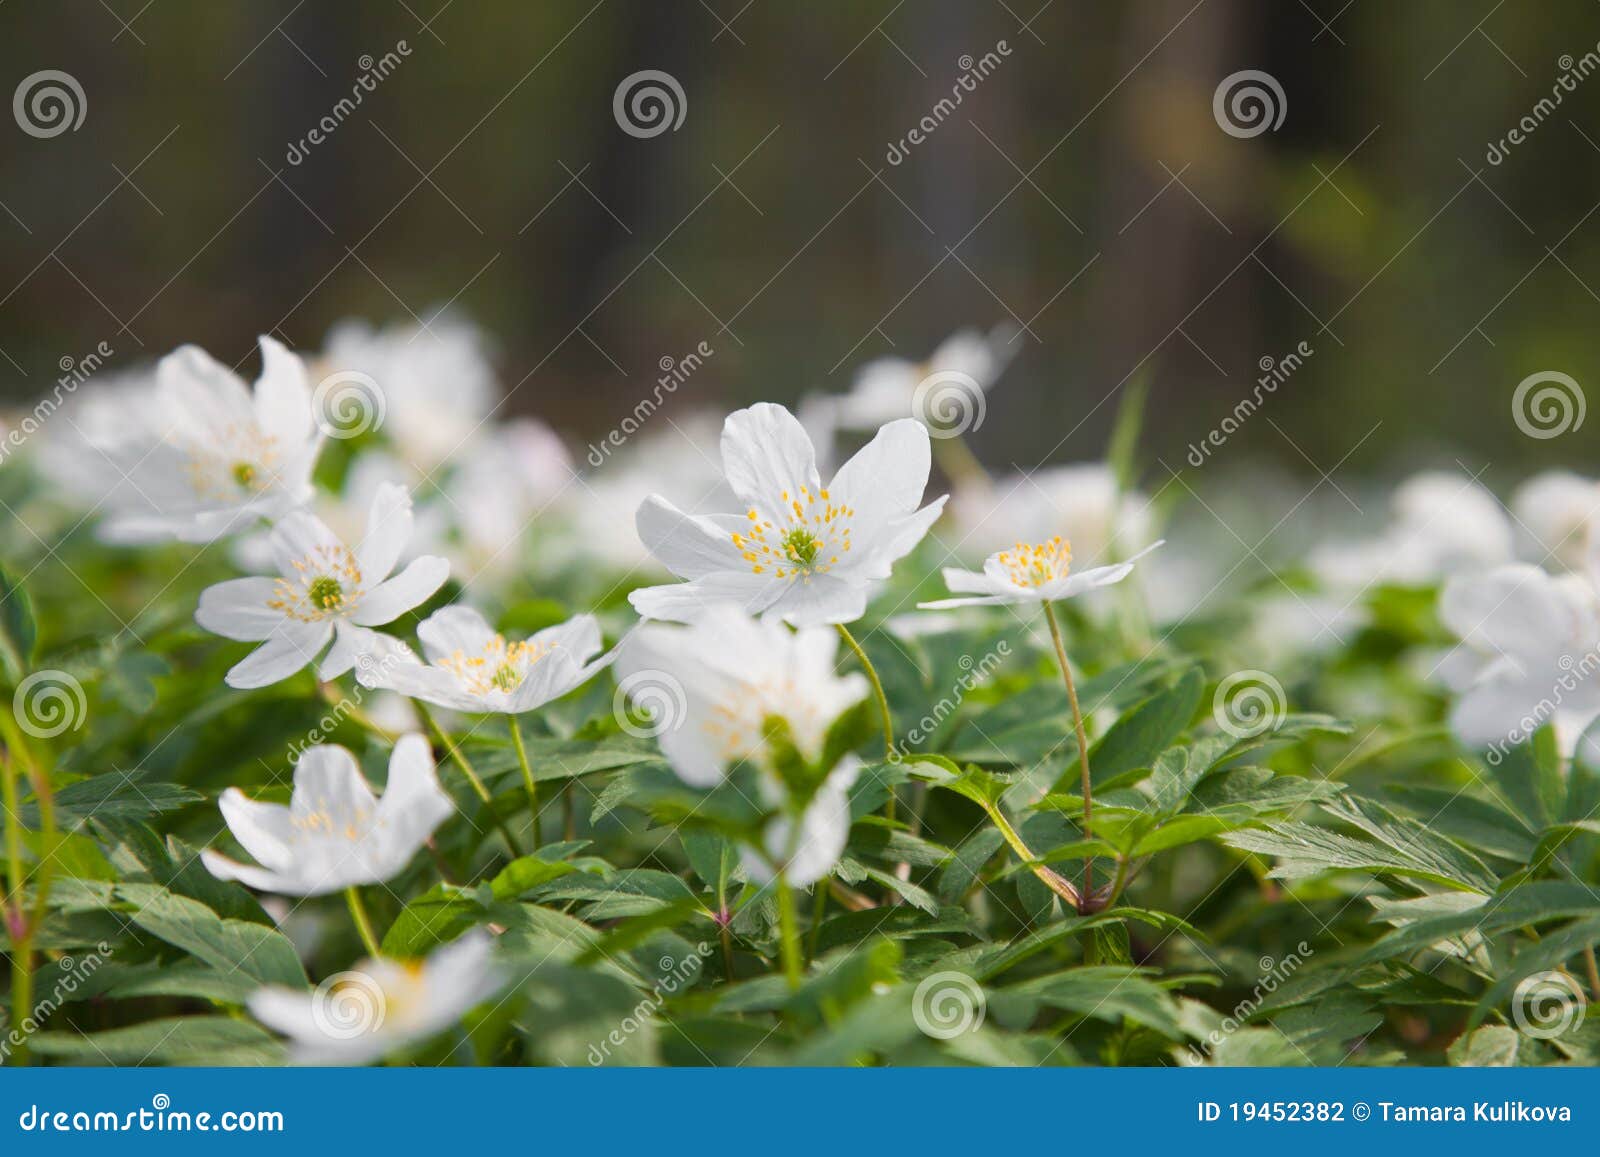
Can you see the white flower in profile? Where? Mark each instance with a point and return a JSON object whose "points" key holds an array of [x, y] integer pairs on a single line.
{"points": [[1556, 512], [798, 550], [325, 590], [1442, 523], [719, 679], [714, 685], [1039, 572], [886, 388], [1108, 523], [198, 455], [472, 668], [1528, 654], [334, 834], [381, 1006], [435, 380]]}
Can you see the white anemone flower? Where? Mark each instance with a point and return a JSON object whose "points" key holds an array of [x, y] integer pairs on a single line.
{"points": [[1107, 522], [380, 1006], [472, 668], [713, 684], [711, 688], [435, 381], [515, 472], [886, 388], [797, 550], [1442, 523], [198, 455], [335, 834], [1528, 655], [1556, 512], [325, 590], [1039, 572]]}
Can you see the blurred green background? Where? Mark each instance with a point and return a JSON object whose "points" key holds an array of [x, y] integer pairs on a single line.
{"points": [[1083, 189]]}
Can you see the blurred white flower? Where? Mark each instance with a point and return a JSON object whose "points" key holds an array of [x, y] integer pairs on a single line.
{"points": [[799, 550], [325, 590], [516, 471], [196, 455], [1106, 526], [334, 834], [734, 672], [379, 1006], [726, 675], [1556, 513], [886, 388], [437, 384], [1029, 573], [1527, 654], [1442, 523], [472, 668]]}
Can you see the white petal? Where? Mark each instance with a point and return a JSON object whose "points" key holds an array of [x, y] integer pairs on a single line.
{"points": [[287, 651], [885, 479], [824, 600], [688, 546], [237, 609], [1512, 608], [350, 644], [283, 396], [296, 537], [413, 803], [972, 582], [410, 588], [328, 784], [684, 602], [262, 829], [388, 531], [250, 876], [453, 629], [202, 395], [766, 454]]}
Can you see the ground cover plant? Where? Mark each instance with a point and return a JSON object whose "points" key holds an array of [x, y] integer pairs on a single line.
{"points": [[353, 721]]}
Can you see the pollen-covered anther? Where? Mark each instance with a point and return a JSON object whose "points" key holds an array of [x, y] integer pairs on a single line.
{"points": [[1035, 564]]}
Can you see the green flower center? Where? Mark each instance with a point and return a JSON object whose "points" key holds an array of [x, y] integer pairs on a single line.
{"points": [[505, 677], [325, 592], [800, 546], [244, 473]]}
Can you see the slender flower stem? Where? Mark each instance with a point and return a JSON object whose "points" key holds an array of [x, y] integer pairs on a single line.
{"points": [[363, 922], [789, 932], [528, 783], [343, 704], [1083, 743], [883, 706], [19, 928], [1593, 970], [820, 906], [466, 770], [569, 811], [1051, 879]]}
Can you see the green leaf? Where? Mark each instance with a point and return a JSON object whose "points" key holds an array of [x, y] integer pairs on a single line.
{"points": [[262, 953], [18, 634], [1140, 735], [179, 1040], [1103, 992], [113, 795]]}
